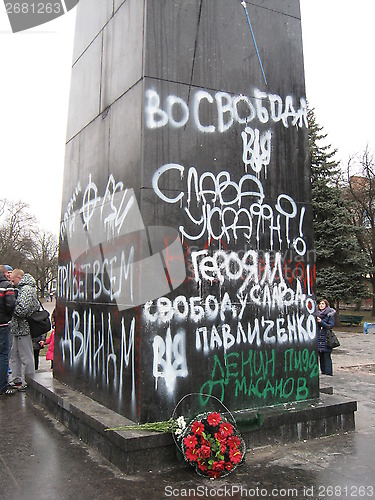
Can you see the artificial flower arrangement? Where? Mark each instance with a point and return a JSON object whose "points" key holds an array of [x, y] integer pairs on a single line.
{"points": [[211, 444]]}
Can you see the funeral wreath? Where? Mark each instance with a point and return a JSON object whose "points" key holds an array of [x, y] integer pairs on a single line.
{"points": [[211, 444]]}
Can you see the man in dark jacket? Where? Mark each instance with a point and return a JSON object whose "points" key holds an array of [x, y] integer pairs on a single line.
{"points": [[7, 304]]}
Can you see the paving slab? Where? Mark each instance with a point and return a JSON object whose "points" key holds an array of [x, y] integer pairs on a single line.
{"points": [[41, 459]]}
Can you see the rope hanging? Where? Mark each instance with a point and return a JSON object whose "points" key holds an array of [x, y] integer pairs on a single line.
{"points": [[243, 3]]}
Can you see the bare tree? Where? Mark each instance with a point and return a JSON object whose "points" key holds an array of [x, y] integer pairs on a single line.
{"points": [[339, 260], [44, 260], [17, 232], [24, 245], [361, 184]]}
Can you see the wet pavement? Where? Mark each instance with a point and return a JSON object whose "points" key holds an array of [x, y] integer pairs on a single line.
{"points": [[41, 459]]}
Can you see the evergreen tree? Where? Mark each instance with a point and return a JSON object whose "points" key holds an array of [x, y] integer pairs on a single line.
{"points": [[340, 265]]}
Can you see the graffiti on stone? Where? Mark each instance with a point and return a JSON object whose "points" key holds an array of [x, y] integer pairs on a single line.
{"points": [[229, 290]]}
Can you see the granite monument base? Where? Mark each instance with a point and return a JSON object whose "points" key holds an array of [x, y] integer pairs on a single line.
{"points": [[135, 451]]}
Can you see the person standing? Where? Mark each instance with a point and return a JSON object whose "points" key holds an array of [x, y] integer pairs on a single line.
{"points": [[51, 339], [8, 275], [325, 322], [8, 272], [22, 353], [38, 344], [7, 304], [51, 343]]}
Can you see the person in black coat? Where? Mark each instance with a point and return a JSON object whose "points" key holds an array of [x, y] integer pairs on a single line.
{"points": [[38, 343], [7, 304], [325, 322]]}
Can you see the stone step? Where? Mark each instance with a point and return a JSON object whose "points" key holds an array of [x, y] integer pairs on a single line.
{"points": [[134, 451]]}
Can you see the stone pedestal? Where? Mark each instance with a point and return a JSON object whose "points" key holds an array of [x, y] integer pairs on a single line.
{"points": [[138, 450], [186, 254]]}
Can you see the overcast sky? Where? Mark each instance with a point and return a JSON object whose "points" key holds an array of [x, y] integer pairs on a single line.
{"points": [[338, 37], [338, 44]]}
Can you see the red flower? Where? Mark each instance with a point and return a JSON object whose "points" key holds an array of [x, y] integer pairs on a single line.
{"points": [[226, 429], [228, 466], [223, 447], [190, 441], [191, 454], [213, 474], [197, 428], [204, 451], [234, 442], [220, 437], [218, 465], [222, 441], [214, 419], [235, 455]]}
